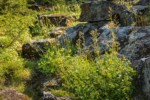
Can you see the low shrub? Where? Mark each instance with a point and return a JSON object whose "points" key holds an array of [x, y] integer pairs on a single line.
{"points": [[107, 78]]}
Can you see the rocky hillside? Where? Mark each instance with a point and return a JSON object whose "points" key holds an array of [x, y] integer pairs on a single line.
{"points": [[100, 52]]}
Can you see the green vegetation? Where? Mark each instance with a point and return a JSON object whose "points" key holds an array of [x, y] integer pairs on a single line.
{"points": [[15, 20], [12, 71], [108, 78]]}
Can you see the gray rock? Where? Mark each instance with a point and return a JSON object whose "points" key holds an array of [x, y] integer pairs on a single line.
{"points": [[35, 48], [73, 32], [146, 77], [139, 33], [97, 11], [137, 49], [131, 40], [123, 35]]}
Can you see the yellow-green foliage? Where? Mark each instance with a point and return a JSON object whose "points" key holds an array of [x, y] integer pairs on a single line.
{"points": [[15, 20], [12, 71], [14, 30], [109, 78]]}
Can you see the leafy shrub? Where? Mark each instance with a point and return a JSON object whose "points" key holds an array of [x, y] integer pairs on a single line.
{"points": [[46, 65], [12, 71], [52, 60], [108, 78]]}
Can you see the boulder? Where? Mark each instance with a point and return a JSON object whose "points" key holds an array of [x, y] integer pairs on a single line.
{"points": [[104, 10], [12, 94], [138, 45], [57, 19], [143, 79], [35, 48]]}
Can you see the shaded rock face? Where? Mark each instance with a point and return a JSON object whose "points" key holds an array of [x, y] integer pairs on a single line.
{"points": [[143, 79], [36, 48], [12, 94], [146, 77], [57, 20], [104, 10], [72, 33], [137, 49], [125, 36]]}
